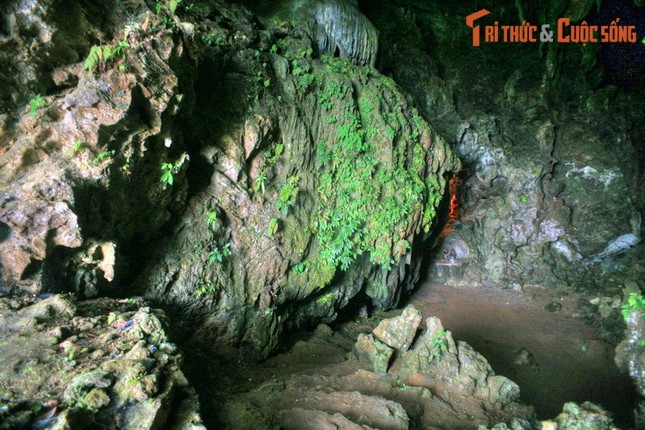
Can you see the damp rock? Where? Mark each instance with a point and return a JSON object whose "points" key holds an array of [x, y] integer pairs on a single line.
{"points": [[82, 384], [525, 358], [399, 332], [630, 353], [96, 399], [585, 416], [340, 28], [48, 309], [372, 354]]}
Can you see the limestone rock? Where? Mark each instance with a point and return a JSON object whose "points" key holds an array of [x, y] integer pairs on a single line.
{"points": [[399, 332], [630, 353], [341, 27], [96, 399], [585, 416], [51, 308], [503, 390], [110, 375], [82, 384], [298, 418], [372, 354], [436, 359], [374, 412]]}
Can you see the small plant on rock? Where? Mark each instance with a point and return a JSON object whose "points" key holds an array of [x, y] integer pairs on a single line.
{"points": [[211, 218], [259, 182], [77, 148], [35, 104], [635, 302], [218, 253], [205, 286], [272, 229], [101, 56], [288, 195], [439, 345], [102, 156], [213, 39]]}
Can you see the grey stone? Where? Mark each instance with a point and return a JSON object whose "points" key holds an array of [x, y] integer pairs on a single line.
{"points": [[399, 332], [372, 354], [585, 416]]}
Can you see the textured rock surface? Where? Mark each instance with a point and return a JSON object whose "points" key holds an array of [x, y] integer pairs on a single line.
{"points": [[630, 358], [437, 361], [586, 416], [86, 364], [422, 389], [372, 354], [266, 172], [536, 172], [72, 169], [341, 28], [399, 332]]}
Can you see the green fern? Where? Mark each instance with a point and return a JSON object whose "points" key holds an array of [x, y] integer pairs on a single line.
{"points": [[288, 195], [101, 55]]}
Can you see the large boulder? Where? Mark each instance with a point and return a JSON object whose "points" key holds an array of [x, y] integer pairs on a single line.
{"points": [[277, 184]]}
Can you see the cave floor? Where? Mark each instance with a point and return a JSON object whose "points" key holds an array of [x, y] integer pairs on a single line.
{"points": [[554, 357]]}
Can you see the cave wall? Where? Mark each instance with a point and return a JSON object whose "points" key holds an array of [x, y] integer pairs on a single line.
{"points": [[551, 159], [224, 168]]}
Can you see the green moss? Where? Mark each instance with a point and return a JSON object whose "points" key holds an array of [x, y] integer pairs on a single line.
{"points": [[326, 299]]}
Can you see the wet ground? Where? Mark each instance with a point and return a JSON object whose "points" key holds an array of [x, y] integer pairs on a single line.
{"points": [[554, 356]]}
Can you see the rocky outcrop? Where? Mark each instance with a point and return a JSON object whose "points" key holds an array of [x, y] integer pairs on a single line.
{"points": [[104, 363], [341, 29], [437, 383], [630, 354], [266, 172], [72, 167]]}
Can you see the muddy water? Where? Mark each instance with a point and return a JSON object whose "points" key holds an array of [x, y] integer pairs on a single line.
{"points": [[566, 361]]}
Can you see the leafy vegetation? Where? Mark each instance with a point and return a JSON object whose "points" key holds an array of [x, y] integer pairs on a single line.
{"points": [[288, 195], [102, 156], [635, 302], [170, 170], [101, 56], [35, 104], [260, 182], [77, 148], [301, 69], [439, 345], [171, 5], [211, 218], [205, 286], [367, 196], [272, 229], [218, 253], [213, 39]]}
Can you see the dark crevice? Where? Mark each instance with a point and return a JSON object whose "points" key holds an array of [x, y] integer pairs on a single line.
{"points": [[5, 232]]}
